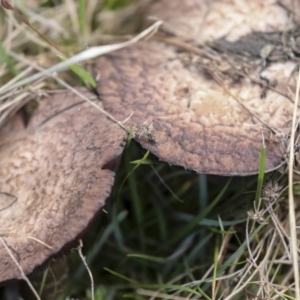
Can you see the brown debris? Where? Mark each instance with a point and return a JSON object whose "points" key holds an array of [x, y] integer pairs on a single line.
{"points": [[211, 108], [56, 173]]}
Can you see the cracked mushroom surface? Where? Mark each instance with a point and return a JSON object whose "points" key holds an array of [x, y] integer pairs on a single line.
{"points": [[54, 177], [213, 90]]}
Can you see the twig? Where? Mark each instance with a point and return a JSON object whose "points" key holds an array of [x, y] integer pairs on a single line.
{"points": [[24, 277], [79, 248], [242, 104]]}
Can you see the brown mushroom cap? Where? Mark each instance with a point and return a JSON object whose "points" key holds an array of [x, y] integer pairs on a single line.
{"points": [[203, 124], [203, 20], [54, 177]]}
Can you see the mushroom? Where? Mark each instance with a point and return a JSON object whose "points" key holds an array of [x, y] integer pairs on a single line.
{"points": [[55, 176], [209, 20], [211, 93]]}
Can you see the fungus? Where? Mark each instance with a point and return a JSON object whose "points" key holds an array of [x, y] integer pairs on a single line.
{"points": [[55, 176], [216, 85]]}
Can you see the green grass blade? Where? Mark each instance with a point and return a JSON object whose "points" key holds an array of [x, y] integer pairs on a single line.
{"points": [[172, 288], [43, 281], [148, 257], [193, 223], [98, 246], [138, 163], [130, 137], [7, 60], [216, 254], [82, 18], [222, 226], [261, 174], [81, 73], [121, 276], [243, 246]]}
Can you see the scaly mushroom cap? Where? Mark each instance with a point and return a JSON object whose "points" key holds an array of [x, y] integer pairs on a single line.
{"points": [[54, 177], [206, 98], [203, 20]]}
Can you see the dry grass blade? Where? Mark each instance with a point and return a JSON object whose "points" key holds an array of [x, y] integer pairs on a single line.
{"points": [[84, 55], [17, 101], [24, 277], [7, 5], [79, 248], [28, 237], [292, 217]]}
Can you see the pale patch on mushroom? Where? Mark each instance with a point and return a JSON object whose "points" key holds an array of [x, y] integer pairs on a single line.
{"points": [[214, 101], [206, 20], [58, 172]]}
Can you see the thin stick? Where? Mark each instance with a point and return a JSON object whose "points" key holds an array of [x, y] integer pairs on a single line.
{"points": [[28, 237], [24, 277], [60, 81], [89, 53], [242, 104], [292, 217], [165, 185], [7, 5], [79, 248]]}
